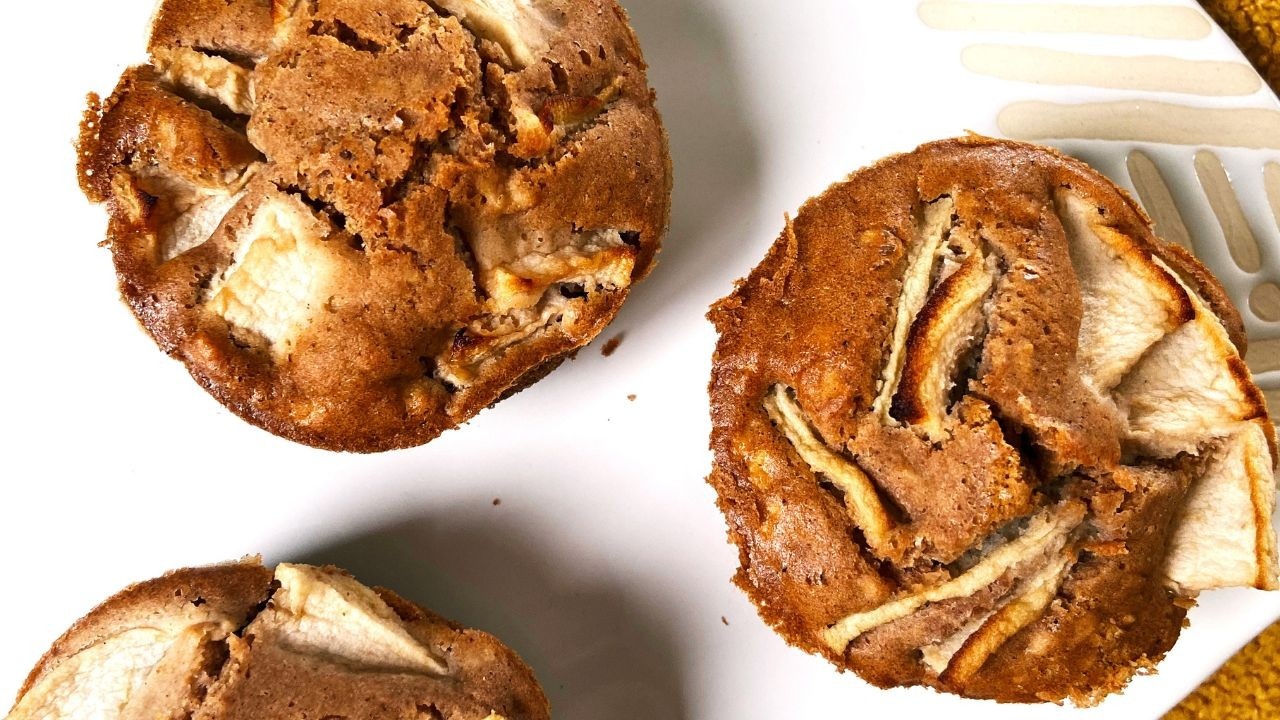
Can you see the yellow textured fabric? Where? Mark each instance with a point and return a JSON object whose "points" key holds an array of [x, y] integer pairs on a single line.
{"points": [[1255, 26], [1246, 688]]}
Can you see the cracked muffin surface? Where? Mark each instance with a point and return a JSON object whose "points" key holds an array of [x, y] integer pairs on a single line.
{"points": [[975, 427], [246, 641], [360, 222]]}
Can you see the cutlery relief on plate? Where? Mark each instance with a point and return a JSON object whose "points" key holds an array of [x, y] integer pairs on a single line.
{"points": [[1192, 131]]}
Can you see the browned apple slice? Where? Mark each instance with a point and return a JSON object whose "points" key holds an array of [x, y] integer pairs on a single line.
{"points": [[950, 324], [600, 260], [534, 294], [208, 76], [557, 118], [934, 225], [1046, 533], [961, 656], [177, 171]]}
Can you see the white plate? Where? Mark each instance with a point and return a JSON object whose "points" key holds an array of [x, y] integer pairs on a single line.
{"points": [[606, 563]]}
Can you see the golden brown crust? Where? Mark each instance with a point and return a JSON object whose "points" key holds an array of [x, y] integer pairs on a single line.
{"points": [[360, 222], [1022, 253], [1111, 614], [1193, 273], [241, 28], [253, 676], [481, 660]]}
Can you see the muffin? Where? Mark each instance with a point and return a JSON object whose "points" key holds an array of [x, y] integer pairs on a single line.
{"points": [[360, 222], [244, 641], [976, 428]]}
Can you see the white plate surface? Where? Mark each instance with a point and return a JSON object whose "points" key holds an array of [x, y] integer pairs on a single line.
{"points": [[606, 564]]}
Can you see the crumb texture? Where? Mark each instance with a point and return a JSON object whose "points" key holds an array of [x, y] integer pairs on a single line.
{"points": [[242, 641], [360, 222], [977, 428]]}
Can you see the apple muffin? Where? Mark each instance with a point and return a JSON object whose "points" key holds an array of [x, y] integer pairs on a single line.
{"points": [[360, 222], [244, 641], [976, 428]]}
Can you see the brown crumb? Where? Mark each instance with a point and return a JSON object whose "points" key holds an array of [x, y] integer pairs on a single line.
{"points": [[632, 397], [724, 620], [497, 502], [611, 346]]}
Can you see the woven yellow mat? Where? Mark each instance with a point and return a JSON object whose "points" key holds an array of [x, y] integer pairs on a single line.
{"points": [[1255, 26], [1248, 686]]}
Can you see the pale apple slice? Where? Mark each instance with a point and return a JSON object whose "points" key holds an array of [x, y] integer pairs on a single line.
{"points": [[1190, 389], [98, 681], [325, 612], [519, 27], [1224, 536], [1129, 301], [279, 275], [179, 169], [185, 214]]}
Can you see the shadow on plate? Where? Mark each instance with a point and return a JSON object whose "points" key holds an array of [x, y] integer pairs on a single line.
{"points": [[714, 151], [595, 652]]}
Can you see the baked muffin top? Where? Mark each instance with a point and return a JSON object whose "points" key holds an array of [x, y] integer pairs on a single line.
{"points": [[976, 427], [360, 222], [245, 641]]}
